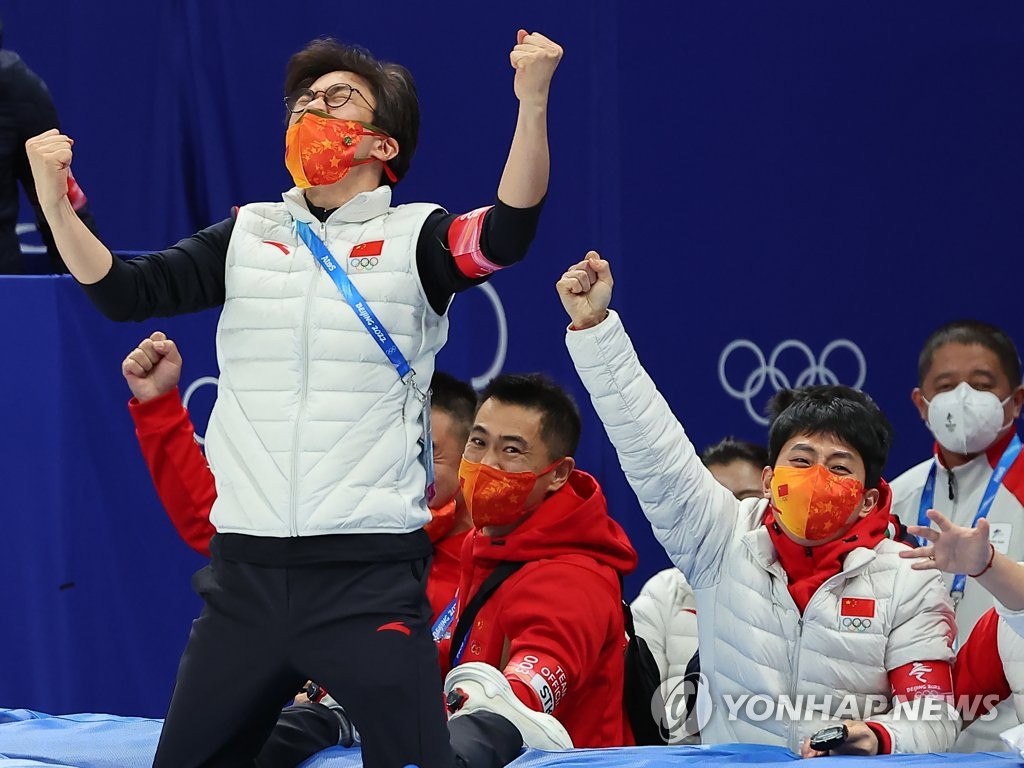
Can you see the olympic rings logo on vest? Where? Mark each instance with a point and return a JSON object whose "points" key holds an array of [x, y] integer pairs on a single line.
{"points": [[495, 366], [776, 371], [363, 264]]}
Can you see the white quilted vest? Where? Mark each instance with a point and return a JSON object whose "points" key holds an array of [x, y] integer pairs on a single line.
{"points": [[313, 432]]}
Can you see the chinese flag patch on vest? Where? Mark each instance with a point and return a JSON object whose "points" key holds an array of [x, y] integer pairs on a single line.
{"points": [[364, 250], [862, 607]]}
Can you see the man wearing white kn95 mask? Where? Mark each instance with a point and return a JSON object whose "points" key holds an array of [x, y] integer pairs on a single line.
{"points": [[969, 394]]}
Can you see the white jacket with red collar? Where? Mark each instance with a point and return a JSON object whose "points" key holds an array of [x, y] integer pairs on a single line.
{"points": [[958, 494], [753, 639]]}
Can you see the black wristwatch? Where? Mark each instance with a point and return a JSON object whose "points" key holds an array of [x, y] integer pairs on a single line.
{"points": [[829, 738], [314, 692]]}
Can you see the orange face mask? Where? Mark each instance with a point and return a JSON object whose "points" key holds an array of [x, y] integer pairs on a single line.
{"points": [[813, 503], [495, 497], [442, 520], [320, 149]]}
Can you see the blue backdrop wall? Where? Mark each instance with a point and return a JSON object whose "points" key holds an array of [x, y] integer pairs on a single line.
{"points": [[800, 188]]}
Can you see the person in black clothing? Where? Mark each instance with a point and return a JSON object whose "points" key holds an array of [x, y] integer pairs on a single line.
{"points": [[26, 109], [319, 562]]}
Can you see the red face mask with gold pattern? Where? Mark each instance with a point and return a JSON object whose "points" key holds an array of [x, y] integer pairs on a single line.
{"points": [[495, 497], [812, 503], [320, 149]]}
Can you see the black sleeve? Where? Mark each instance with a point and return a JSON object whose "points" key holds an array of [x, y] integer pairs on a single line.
{"points": [[507, 234], [35, 113], [188, 277]]}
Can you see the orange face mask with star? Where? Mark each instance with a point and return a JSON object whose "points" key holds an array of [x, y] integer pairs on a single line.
{"points": [[320, 149], [812, 503], [495, 497]]}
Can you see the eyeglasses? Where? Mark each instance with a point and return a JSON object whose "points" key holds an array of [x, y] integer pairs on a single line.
{"points": [[338, 95]]}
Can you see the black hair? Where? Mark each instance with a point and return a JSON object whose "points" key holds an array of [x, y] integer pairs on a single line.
{"points": [[972, 332], [841, 412], [560, 422], [398, 106], [456, 398], [730, 449]]}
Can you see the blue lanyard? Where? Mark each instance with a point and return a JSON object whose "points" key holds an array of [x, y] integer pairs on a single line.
{"points": [[442, 628], [380, 334], [928, 499], [444, 622], [462, 649], [356, 301]]}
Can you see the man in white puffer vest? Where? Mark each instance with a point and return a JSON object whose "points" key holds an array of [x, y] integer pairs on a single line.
{"points": [[334, 305], [665, 611], [808, 616]]}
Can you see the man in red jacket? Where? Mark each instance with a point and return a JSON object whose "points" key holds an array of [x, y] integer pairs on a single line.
{"points": [[453, 404], [545, 649]]}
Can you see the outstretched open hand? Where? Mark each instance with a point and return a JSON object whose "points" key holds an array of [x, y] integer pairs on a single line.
{"points": [[952, 548]]}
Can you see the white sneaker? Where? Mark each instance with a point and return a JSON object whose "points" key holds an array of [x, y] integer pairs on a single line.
{"points": [[482, 687]]}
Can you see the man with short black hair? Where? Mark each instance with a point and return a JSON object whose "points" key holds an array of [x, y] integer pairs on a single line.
{"points": [[803, 600], [665, 611], [546, 648], [969, 394]]}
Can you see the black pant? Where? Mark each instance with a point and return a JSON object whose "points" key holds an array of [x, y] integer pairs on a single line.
{"points": [[362, 630], [301, 731], [479, 740]]}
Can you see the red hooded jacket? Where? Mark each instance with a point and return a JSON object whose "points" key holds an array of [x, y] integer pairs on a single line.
{"points": [[187, 491], [555, 626]]}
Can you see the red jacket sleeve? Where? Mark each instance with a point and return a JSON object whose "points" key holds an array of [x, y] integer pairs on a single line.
{"points": [[180, 473], [556, 625], [978, 671]]}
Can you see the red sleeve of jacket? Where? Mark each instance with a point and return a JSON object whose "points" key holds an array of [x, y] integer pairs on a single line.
{"points": [[556, 624], [978, 671], [180, 473]]}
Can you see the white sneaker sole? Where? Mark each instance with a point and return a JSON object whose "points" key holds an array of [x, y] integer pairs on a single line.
{"points": [[487, 689]]}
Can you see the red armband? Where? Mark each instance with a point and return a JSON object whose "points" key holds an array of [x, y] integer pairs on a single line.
{"points": [[919, 679], [464, 237], [545, 677], [525, 693]]}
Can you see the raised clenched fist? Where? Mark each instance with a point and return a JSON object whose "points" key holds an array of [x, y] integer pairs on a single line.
{"points": [[49, 156], [534, 58], [586, 291], [153, 368]]}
